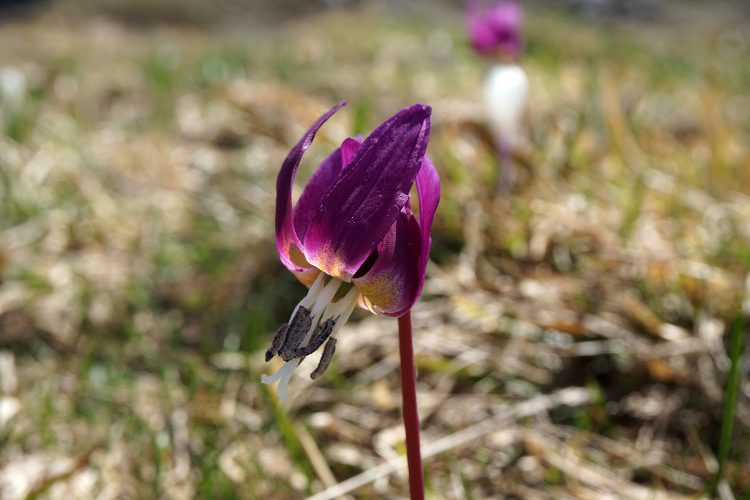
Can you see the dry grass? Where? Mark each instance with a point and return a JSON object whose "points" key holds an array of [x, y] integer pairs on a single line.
{"points": [[571, 340]]}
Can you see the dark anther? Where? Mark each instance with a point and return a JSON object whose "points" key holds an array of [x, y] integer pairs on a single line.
{"points": [[278, 339], [325, 359], [319, 336], [296, 333]]}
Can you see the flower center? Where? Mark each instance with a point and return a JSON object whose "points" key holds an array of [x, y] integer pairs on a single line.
{"points": [[313, 323]]}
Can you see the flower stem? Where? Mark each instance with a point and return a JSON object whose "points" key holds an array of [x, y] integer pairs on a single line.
{"points": [[411, 415], [507, 175]]}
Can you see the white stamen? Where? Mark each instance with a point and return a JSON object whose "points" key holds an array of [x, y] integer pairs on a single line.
{"points": [[283, 375], [325, 296], [312, 293], [281, 372], [346, 307], [318, 300]]}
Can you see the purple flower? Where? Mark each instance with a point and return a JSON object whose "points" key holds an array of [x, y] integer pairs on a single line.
{"points": [[352, 237], [495, 30]]}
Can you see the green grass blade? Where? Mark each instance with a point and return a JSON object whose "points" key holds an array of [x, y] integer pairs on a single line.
{"points": [[730, 399]]}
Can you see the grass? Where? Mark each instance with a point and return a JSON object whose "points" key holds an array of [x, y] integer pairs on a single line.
{"points": [[730, 404], [139, 281]]}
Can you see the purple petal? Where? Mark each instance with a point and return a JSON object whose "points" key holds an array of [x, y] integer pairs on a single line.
{"points": [[428, 191], [349, 148], [392, 284], [395, 281], [321, 181], [481, 35], [506, 19], [287, 242], [357, 212]]}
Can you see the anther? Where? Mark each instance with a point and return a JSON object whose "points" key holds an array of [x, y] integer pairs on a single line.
{"points": [[325, 359], [278, 340], [319, 336], [296, 333]]}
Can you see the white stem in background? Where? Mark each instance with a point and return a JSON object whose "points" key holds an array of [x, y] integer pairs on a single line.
{"points": [[506, 90]]}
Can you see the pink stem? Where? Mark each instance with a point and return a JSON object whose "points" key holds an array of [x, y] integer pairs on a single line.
{"points": [[411, 414]]}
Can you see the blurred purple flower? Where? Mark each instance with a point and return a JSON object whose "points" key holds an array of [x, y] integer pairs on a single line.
{"points": [[495, 30], [352, 237]]}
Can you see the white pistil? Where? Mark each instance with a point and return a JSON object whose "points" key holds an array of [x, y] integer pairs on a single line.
{"points": [[318, 301]]}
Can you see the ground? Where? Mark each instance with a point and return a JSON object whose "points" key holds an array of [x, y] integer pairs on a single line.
{"points": [[573, 338]]}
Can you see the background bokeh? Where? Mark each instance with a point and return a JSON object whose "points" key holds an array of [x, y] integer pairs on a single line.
{"points": [[139, 281]]}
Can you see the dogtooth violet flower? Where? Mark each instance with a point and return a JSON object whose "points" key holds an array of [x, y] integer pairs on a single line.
{"points": [[352, 237], [495, 32]]}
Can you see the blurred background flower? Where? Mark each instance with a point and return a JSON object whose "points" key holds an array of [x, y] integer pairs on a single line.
{"points": [[495, 28], [495, 31]]}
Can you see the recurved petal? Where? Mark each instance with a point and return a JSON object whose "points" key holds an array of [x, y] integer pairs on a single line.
{"points": [[428, 191], [391, 286], [321, 181], [287, 242], [357, 212]]}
